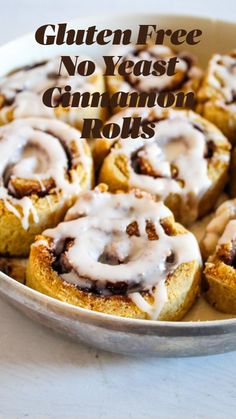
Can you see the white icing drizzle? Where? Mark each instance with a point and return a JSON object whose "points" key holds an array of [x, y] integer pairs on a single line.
{"points": [[97, 224], [177, 142], [23, 89], [34, 149], [216, 227]]}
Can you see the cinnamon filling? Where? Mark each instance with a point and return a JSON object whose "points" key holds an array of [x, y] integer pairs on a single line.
{"points": [[6, 101], [222, 76], [132, 229], [71, 153]]}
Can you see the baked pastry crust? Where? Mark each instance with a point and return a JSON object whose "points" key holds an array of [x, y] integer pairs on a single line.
{"points": [[33, 198], [180, 183], [216, 96], [182, 285], [21, 93]]}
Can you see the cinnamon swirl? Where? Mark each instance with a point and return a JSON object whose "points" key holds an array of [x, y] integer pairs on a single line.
{"points": [[119, 254], [186, 78], [44, 164], [217, 95], [21, 93], [185, 163]]}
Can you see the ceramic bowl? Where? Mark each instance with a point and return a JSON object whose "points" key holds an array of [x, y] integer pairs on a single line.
{"points": [[195, 335]]}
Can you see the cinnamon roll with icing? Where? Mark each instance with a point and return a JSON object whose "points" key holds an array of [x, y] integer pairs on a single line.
{"points": [[21, 93], [217, 95], [185, 163], [120, 254], [186, 78], [219, 244], [44, 164]]}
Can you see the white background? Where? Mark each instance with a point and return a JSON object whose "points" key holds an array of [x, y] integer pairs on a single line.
{"points": [[43, 375]]}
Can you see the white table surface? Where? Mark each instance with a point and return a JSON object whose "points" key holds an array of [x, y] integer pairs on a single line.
{"points": [[43, 375]]}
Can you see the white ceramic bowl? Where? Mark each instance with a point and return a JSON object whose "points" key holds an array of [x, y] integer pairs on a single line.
{"points": [[108, 332]]}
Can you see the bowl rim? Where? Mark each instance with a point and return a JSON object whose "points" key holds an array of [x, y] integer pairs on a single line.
{"points": [[86, 314]]}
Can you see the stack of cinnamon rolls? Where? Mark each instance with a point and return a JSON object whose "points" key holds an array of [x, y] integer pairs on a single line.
{"points": [[101, 228]]}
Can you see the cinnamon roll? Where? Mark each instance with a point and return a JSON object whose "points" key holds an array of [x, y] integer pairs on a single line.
{"points": [[120, 254], [185, 163], [44, 164], [21, 93], [217, 95], [220, 268], [186, 78]]}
